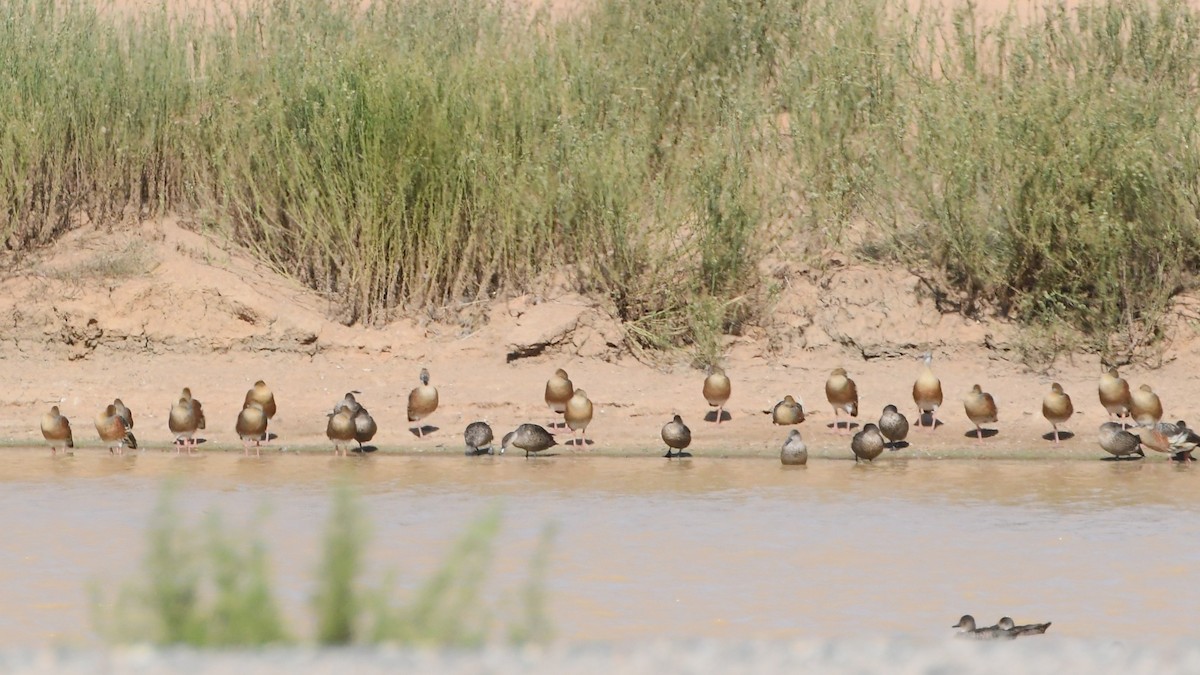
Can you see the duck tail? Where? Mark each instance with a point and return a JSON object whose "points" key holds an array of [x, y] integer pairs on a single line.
{"points": [[130, 440], [70, 441]]}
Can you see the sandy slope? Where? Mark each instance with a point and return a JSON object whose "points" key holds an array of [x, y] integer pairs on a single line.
{"points": [[99, 317]]}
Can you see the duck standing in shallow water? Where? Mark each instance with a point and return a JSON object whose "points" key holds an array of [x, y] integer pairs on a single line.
{"points": [[867, 444], [677, 436], [787, 412], [340, 430], [252, 426], [893, 425], [1114, 394], [111, 428], [530, 438], [1057, 408], [183, 422], [422, 401], [1118, 442], [717, 390], [478, 437], [981, 409], [56, 429], [794, 451], [364, 427], [927, 393], [1175, 439], [842, 394]]}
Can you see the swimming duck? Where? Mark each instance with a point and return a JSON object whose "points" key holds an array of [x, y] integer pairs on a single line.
{"points": [[842, 394], [717, 389], [787, 412], [867, 444], [1117, 441], [1057, 408], [364, 426], [57, 430], [528, 437], [112, 429], [1145, 408], [262, 395], [981, 409], [1175, 439], [966, 629], [927, 392], [677, 436], [794, 452], [478, 437], [1007, 624], [578, 415], [340, 430], [422, 401], [559, 390], [182, 422], [123, 412], [893, 424], [252, 426], [1114, 394]]}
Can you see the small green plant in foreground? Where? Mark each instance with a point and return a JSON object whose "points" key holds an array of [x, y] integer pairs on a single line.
{"points": [[205, 587]]}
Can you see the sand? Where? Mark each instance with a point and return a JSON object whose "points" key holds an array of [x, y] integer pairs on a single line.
{"points": [[141, 315]]}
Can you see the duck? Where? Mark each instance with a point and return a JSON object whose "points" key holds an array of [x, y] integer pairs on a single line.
{"points": [[867, 444], [578, 415], [123, 412], [794, 451], [1145, 408], [893, 425], [422, 401], [842, 394], [1009, 625], [1118, 442], [262, 395], [1115, 395], [927, 392], [340, 429], [677, 436], [787, 412], [1175, 439], [966, 629], [364, 427], [1057, 408], [56, 429], [478, 437], [348, 402], [559, 390], [183, 423], [197, 408], [981, 409], [111, 428], [252, 426], [717, 389], [528, 437]]}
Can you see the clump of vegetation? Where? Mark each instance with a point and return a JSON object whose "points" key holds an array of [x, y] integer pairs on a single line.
{"points": [[204, 587], [423, 152]]}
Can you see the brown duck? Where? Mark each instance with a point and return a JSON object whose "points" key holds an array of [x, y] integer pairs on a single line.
{"points": [[981, 409], [893, 425], [717, 390], [842, 394], [559, 390], [262, 395], [478, 437], [340, 430], [1057, 408], [422, 401], [364, 427], [677, 436], [56, 429], [867, 444], [794, 451], [252, 426], [1114, 394], [787, 412], [927, 393], [530, 438], [112, 430], [183, 423], [579, 415], [1146, 409]]}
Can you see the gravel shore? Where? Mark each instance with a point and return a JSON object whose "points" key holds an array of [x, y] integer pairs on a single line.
{"points": [[1048, 655]]}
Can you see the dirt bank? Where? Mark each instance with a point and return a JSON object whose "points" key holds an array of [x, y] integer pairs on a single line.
{"points": [[140, 314]]}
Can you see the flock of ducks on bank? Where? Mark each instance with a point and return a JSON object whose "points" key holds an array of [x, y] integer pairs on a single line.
{"points": [[349, 421], [1004, 629]]}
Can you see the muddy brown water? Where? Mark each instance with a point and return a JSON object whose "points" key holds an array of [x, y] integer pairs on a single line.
{"points": [[729, 548]]}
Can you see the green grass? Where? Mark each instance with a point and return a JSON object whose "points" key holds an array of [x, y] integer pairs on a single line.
{"points": [[204, 586], [425, 152]]}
